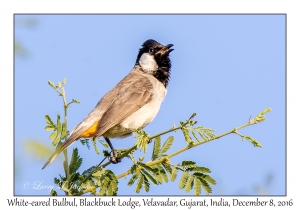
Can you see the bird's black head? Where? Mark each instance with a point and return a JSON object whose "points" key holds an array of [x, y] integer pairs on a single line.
{"points": [[154, 59]]}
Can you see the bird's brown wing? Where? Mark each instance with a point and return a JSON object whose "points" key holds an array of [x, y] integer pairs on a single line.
{"points": [[135, 96], [135, 89]]}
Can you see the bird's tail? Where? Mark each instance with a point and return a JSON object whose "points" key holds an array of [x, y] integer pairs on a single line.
{"points": [[60, 149], [53, 156]]}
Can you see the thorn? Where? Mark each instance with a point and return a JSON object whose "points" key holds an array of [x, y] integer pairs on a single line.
{"points": [[249, 119]]}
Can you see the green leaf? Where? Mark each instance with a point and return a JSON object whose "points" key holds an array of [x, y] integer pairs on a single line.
{"points": [[183, 180], [88, 184], [111, 181], [139, 184], [75, 101], [103, 143], [85, 142], [49, 128], [210, 180], [56, 140], [51, 84], [59, 126], [186, 135], [174, 174], [189, 183], [59, 85], [106, 153], [143, 139], [98, 173], [109, 189], [104, 185], [148, 168], [134, 178], [63, 130], [112, 188], [167, 167], [149, 176], [205, 177], [158, 176], [64, 81], [53, 193], [167, 145], [253, 141], [133, 169], [75, 177], [49, 121], [75, 162], [261, 116], [196, 137], [95, 147], [57, 181], [146, 184], [199, 169], [205, 133], [197, 186], [111, 175], [163, 173], [156, 148], [104, 179], [202, 169], [188, 163], [53, 135], [206, 186], [203, 136]]}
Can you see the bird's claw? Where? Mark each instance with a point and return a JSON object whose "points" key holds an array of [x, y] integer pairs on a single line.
{"points": [[115, 160]]}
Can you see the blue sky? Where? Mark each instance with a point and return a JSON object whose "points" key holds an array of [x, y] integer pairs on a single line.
{"points": [[224, 67]]}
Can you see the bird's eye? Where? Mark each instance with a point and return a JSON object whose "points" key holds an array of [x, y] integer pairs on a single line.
{"points": [[151, 50]]}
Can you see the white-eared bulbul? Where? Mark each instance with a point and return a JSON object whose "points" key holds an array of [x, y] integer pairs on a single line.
{"points": [[132, 103]]}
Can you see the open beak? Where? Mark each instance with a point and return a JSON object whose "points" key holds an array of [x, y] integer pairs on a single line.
{"points": [[165, 49]]}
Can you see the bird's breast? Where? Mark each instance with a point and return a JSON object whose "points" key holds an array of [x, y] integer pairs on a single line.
{"points": [[142, 116], [148, 112]]}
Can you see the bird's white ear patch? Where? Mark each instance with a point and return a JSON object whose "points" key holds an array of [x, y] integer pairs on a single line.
{"points": [[148, 62]]}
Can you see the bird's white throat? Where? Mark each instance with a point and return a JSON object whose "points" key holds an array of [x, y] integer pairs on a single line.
{"points": [[148, 62]]}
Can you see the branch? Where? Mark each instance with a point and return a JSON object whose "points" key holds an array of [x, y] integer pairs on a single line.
{"points": [[259, 118]]}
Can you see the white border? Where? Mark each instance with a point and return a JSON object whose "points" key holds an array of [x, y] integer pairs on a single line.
{"points": [[8, 8]]}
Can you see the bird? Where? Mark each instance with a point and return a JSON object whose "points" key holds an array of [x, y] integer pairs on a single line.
{"points": [[133, 103]]}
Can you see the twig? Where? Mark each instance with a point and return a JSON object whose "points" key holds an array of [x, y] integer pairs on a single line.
{"points": [[151, 163]]}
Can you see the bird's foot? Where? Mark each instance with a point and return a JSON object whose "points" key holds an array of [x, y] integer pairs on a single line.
{"points": [[115, 160]]}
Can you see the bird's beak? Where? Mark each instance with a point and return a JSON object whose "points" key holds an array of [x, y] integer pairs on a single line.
{"points": [[165, 49]]}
